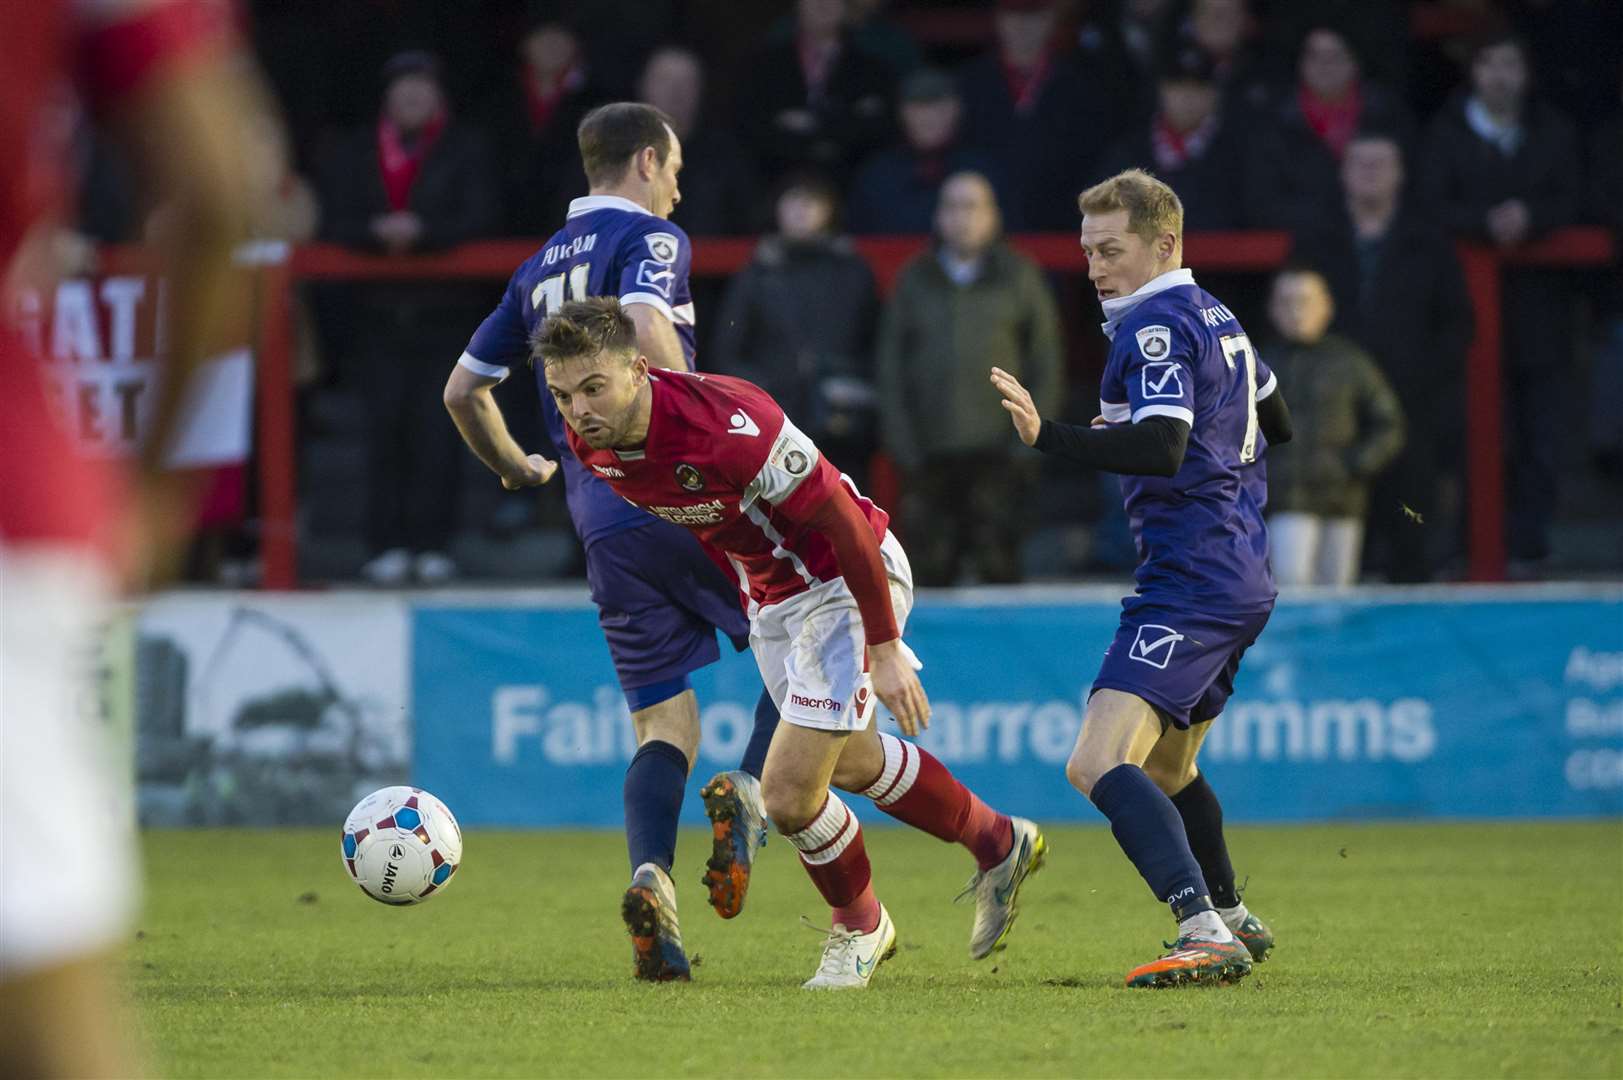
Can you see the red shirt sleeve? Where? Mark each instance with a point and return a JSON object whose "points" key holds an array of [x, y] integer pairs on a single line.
{"points": [[122, 52], [856, 549]]}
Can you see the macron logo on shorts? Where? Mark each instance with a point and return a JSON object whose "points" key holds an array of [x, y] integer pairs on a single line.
{"points": [[1153, 645], [825, 704]]}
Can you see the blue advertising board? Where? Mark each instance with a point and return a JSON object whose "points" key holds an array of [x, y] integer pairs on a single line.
{"points": [[1473, 703]]}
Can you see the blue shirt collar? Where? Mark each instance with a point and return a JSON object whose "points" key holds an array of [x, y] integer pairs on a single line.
{"points": [[1118, 308]]}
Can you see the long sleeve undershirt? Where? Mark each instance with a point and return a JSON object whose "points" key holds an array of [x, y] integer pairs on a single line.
{"points": [[856, 549], [1151, 447]]}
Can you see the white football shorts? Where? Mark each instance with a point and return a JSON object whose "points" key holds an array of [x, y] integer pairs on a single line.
{"points": [[811, 649], [67, 846]]}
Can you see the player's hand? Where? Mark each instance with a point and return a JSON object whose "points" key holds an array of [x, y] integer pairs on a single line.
{"points": [[536, 471], [1017, 401], [897, 685]]}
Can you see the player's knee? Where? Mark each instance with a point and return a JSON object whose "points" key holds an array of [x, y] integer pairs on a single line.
{"points": [[789, 804], [1083, 770]]}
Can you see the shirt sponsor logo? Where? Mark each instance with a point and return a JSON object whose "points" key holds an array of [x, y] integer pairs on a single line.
{"points": [[1163, 380], [739, 424], [1154, 645], [825, 704], [662, 246], [657, 276], [1154, 341], [689, 477], [609, 470], [705, 513]]}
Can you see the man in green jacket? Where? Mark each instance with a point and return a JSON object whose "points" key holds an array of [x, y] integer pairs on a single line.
{"points": [[1349, 426], [968, 303]]}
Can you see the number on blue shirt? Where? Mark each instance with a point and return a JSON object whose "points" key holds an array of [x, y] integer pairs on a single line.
{"points": [[549, 295], [1240, 344]]}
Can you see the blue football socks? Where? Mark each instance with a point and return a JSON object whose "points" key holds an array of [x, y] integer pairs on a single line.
{"points": [[655, 782], [1202, 818], [766, 722], [1149, 830]]}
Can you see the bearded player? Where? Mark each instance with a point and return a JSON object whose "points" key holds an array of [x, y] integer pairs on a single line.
{"points": [[829, 591], [1187, 410], [659, 597]]}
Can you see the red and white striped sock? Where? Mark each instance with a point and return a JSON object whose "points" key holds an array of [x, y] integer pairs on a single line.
{"points": [[832, 852], [916, 788]]}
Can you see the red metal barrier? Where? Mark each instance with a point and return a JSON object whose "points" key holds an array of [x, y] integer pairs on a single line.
{"points": [[1236, 251]]}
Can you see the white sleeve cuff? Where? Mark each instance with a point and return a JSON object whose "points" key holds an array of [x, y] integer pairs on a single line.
{"points": [[653, 300], [1268, 387], [1115, 412], [1177, 412], [479, 367]]}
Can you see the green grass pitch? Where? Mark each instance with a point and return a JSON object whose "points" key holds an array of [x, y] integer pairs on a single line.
{"points": [[1466, 950]]}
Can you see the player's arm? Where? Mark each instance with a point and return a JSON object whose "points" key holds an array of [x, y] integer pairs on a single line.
{"points": [[1274, 418], [472, 405], [656, 337], [1154, 446], [807, 490]]}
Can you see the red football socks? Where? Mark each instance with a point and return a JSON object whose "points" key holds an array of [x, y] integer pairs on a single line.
{"points": [[832, 852], [916, 788]]}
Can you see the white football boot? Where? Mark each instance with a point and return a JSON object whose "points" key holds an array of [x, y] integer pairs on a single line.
{"points": [[997, 889], [849, 958], [649, 911]]}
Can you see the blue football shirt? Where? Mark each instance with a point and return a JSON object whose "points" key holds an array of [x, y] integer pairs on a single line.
{"points": [[1176, 351], [608, 246]]}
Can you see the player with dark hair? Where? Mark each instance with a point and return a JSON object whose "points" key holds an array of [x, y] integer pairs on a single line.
{"points": [[170, 80], [829, 592], [1187, 409], [660, 597]]}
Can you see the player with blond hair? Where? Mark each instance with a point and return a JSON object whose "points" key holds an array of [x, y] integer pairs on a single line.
{"points": [[1187, 410]]}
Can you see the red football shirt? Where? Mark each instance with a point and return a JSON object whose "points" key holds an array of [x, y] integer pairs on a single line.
{"points": [[48, 492], [722, 459]]}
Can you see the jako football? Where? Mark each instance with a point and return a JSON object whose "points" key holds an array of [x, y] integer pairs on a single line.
{"points": [[401, 845]]}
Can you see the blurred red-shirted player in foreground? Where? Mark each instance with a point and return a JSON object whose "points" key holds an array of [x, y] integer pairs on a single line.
{"points": [[167, 77]]}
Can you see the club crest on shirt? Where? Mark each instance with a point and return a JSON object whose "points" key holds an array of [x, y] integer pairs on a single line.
{"points": [[1154, 342], [662, 246], [689, 477]]}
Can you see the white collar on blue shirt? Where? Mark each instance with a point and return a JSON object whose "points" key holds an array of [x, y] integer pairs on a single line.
{"points": [[587, 203], [1116, 309]]}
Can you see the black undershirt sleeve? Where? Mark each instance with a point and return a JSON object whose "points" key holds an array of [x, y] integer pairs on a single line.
{"points": [[1274, 418], [1152, 447]]}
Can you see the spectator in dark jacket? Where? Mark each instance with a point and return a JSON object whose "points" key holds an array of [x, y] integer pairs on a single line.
{"points": [[1400, 294], [1502, 167], [895, 190], [1292, 175], [1031, 105], [418, 180], [1349, 427], [818, 100], [721, 183], [1606, 380], [959, 309], [799, 321], [1190, 144], [555, 89]]}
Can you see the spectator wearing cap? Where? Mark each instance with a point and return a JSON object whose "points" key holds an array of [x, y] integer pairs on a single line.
{"points": [[417, 180], [799, 320], [895, 190], [555, 89], [1352, 427], [818, 100], [1226, 32], [1190, 144], [1032, 105], [969, 303], [1122, 40], [1501, 167], [1400, 294], [721, 182], [1295, 157]]}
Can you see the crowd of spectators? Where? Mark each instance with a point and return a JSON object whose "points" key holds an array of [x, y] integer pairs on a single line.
{"points": [[421, 125]]}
